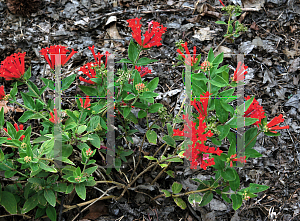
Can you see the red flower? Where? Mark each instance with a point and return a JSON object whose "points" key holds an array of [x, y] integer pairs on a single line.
{"points": [[54, 119], [99, 56], [272, 125], [17, 129], [201, 106], [152, 37], [222, 3], [240, 72], [13, 67], [86, 103], [189, 60], [86, 69], [234, 159], [2, 92], [56, 52], [255, 111], [143, 70], [197, 153]]}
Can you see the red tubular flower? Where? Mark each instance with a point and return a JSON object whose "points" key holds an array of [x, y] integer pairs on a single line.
{"points": [[201, 106], [272, 125], [54, 119], [222, 3], [86, 103], [255, 111], [13, 67], [2, 93], [17, 129], [188, 60], [239, 72], [56, 51], [86, 69], [143, 70], [152, 36]]}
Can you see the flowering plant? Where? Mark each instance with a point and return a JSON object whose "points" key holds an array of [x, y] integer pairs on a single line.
{"points": [[72, 144]]}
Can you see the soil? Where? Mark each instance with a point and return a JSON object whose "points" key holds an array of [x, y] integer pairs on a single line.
{"points": [[270, 49]]}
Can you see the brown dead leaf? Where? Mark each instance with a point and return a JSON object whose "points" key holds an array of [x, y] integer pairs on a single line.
{"points": [[294, 66], [254, 26], [206, 9], [6, 108], [241, 19], [96, 210]]}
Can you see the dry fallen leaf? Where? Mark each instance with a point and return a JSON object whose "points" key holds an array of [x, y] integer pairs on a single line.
{"points": [[6, 108], [96, 210]]}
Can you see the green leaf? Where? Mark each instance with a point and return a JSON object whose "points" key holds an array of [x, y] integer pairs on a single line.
{"points": [[151, 136], [26, 116], [175, 160], [235, 184], [28, 101], [71, 115], [27, 74], [252, 153], [236, 201], [2, 157], [91, 170], [124, 60], [50, 197], [152, 85], [33, 90], [80, 190], [51, 213], [39, 212], [230, 29], [132, 118], [88, 90], [145, 61], [194, 198], [167, 193], [218, 81], [170, 129], [126, 111], [129, 97], [249, 135], [2, 117], [256, 188], [208, 196], [180, 202], [218, 59], [169, 140], [8, 201], [66, 82], [155, 107], [133, 51], [224, 130], [150, 158], [225, 197], [48, 83], [244, 107], [142, 114], [221, 22], [228, 174], [118, 163], [210, 56], [14, 91], [30, 204], [95, 140], [221, 113], [199, 77], [170, 173], [176, 187]]}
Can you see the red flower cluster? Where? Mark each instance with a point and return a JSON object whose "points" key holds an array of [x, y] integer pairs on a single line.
{"points": [[17, 129], [240, 159], [57, 55], [2, 92], [13, 67], [188, 60], [143, 70], [239, 72], [86, 69], [198, 153], [272, 125], [86, 103], [54, 119], [152, 37], [255, 111], [201, 106], [99, 56]]}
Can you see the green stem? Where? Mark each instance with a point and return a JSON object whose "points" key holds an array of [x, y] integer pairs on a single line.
{"points": [[15, 170]]}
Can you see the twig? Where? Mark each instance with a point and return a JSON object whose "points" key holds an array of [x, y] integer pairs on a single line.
{"points": [[95, 200]]}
